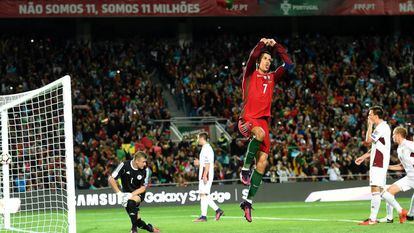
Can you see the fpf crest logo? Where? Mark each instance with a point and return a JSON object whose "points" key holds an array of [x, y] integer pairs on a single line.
{"points": [[286, 7]]}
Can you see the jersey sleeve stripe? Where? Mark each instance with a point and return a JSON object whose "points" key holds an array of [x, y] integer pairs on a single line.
{"points": [[147, 177], [115, 173]]}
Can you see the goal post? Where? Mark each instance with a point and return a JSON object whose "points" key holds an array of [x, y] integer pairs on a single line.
{"points": [[36, 132]]}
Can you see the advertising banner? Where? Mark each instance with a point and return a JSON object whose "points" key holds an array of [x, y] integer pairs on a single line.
{"points": [[225, 193], [156, 196], [199, 8], [122, 8], [231, 193], [399, 7], [299, 7], [360, 7]]}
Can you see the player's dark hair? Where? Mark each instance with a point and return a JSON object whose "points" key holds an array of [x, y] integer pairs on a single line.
{"points": [[139, 155], [377, 110], [203, 135], [262, 54], [401, 131]]}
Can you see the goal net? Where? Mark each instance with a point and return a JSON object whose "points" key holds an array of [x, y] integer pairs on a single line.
{"points": [[37, 191]]}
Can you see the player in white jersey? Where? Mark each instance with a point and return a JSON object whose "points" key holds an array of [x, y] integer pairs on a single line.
{"points": [[379, 155], [410, 215], [205, 176], [406, 155]]}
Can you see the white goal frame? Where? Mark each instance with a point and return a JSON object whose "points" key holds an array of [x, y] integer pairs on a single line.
{"points": [[8, 102]]}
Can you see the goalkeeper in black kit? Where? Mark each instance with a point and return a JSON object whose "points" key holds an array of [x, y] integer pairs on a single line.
{"points": [[134, 179]]}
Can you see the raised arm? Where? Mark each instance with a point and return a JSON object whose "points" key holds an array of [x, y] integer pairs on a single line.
{"points": [[369, 136], [254, 55], [278, 49]]}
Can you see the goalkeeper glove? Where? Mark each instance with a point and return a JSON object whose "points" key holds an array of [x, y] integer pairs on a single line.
{"points": [[124, 197]]}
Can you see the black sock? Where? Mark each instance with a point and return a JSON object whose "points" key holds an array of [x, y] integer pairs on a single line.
{"points": [[132, 210], [141, 224]]}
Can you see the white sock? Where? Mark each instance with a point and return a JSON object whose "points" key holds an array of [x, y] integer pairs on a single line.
{"points": [[249, 200], [391, 200], [211, 203], [390, 211], [204, 205], [375, 205], [411, 212]]}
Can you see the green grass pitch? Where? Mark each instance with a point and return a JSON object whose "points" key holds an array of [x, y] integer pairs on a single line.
{"points": [[267, 217]]}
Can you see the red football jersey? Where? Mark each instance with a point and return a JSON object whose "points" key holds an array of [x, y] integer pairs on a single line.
{"points": [[258, 88]]}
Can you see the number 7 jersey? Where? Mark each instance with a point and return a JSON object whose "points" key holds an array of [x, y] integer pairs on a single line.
{"points": [[258, 93]]}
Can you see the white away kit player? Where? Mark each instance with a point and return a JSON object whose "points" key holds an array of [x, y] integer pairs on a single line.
{"points": [[379, 155], [406, 155], [206, 175]]}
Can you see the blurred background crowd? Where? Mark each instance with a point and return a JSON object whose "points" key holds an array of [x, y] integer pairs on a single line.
{"points": [[319, 109]]}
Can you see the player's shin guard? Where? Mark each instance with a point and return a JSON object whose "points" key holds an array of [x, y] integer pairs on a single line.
{"points": [[411, 211], [375, 205], [132, 210], [390, 211], [251, 152], [211, 203], [203, 205], [391, 200], [255, 183]]}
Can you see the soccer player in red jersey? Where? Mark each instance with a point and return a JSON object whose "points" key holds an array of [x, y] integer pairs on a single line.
{"points": [[258, 84]]}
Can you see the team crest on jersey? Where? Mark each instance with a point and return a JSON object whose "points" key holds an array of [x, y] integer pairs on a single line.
{"points": [[266, 77], [139, 177]]}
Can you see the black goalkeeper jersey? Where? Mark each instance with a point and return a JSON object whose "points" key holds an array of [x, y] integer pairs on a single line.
{"points": [[131, 178]]}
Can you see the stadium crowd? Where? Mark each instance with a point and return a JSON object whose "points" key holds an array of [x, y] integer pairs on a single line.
{"points": [[319, 109]]}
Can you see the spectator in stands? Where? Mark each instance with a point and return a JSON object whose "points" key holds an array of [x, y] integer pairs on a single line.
{"points": [[116, 96]]}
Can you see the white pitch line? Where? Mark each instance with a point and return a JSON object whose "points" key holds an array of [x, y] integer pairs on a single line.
{"points": [[311, 205], [232, 217], [292, 219], [299, 219]]}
